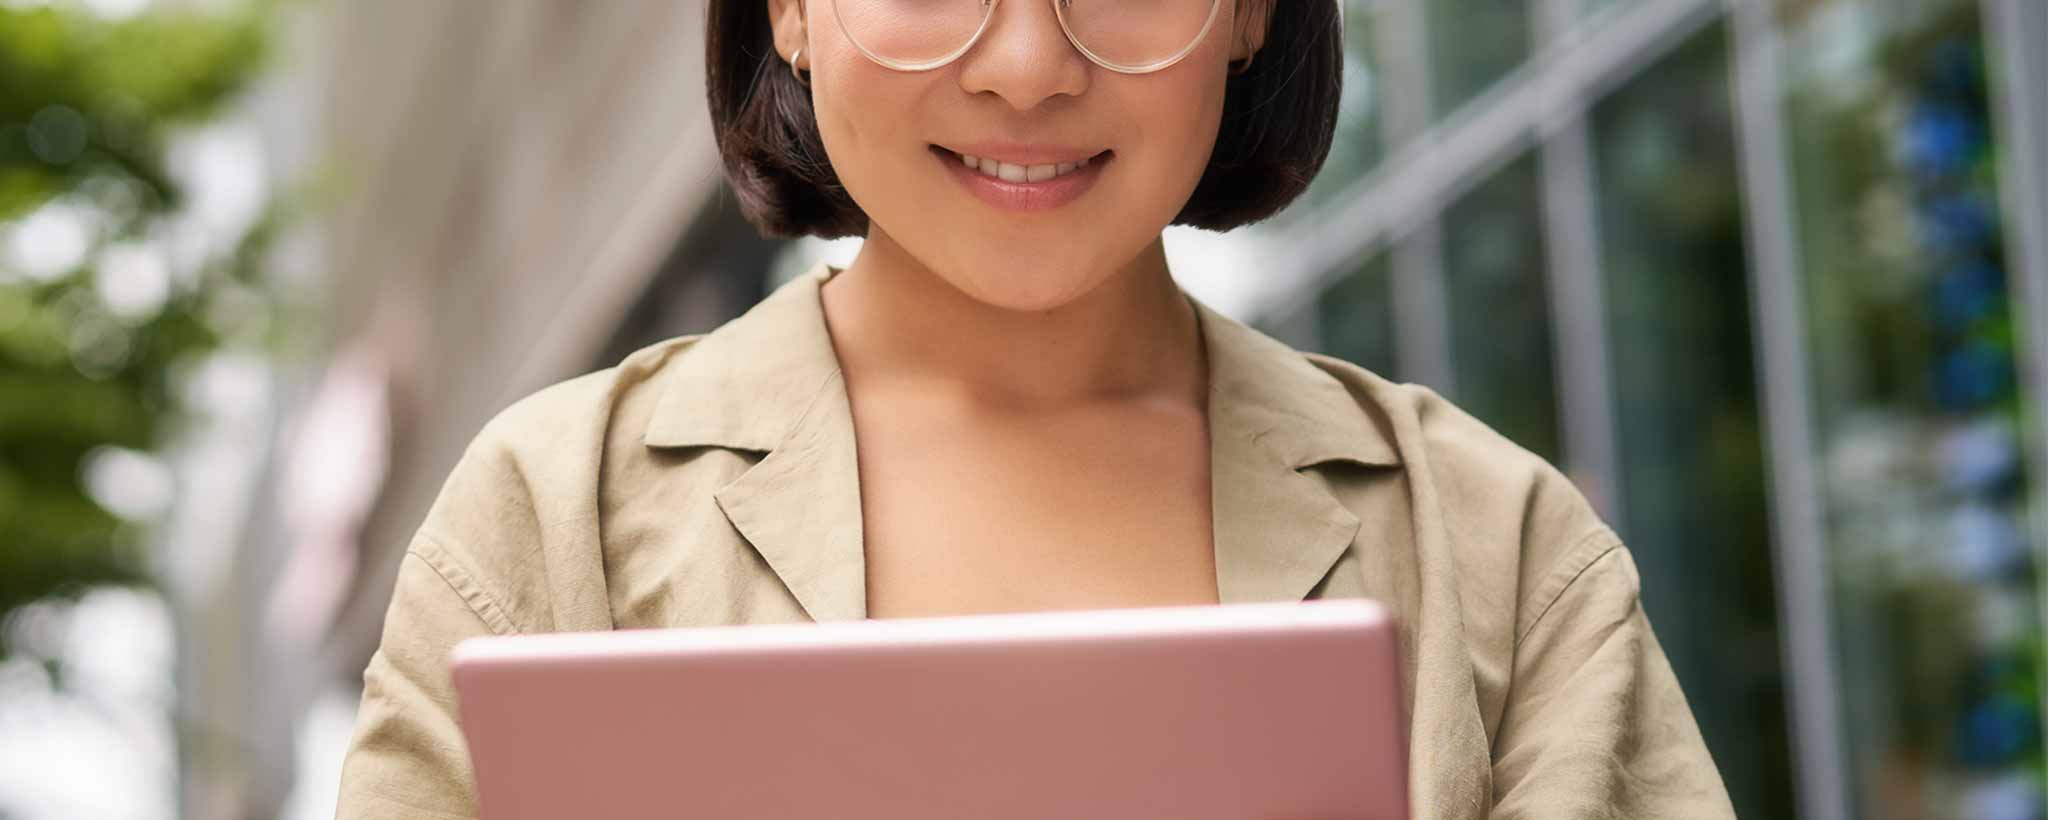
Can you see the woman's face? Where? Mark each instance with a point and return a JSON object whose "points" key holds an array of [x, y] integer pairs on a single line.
{"points": [[1023, 95]]}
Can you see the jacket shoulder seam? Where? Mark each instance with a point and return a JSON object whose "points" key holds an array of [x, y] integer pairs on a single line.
{"points": [[1589, 550], [465, 586]]}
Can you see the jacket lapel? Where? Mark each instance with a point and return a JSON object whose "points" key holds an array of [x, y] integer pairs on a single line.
{"points": [[800, 507], [1273, 414], [1277, 531], [769, 381]]}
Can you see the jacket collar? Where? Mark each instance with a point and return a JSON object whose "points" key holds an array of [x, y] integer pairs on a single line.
{"points": [[769, 381]]}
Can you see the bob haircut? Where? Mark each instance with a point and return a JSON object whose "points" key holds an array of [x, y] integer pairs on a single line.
{"points": [[1278, 117]]}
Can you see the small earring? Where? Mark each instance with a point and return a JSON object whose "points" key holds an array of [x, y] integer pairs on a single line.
{"points": [[793, 69]]}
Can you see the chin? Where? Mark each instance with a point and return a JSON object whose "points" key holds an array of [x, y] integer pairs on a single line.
{"points": [[1024, 287]]}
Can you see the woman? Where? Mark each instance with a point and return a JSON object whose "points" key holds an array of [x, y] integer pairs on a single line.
{"points": [[1044, 420]]}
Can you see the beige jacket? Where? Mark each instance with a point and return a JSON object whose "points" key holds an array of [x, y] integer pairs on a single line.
{"points": [[711, 480]]}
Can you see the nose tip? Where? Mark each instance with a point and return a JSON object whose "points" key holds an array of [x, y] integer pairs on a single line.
{"points": [[1024, 55]]}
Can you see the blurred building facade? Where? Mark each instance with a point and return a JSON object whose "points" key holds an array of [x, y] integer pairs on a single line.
{"points": [[513, 184], [1769, 280], [1766, 279]]}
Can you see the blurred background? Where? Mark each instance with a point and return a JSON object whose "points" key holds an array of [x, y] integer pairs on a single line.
{"points": [[1769, 280]]}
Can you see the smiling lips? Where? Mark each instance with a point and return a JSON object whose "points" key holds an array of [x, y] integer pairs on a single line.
{"points": [[1021, 163], [1009, 172], [1027, 178]]}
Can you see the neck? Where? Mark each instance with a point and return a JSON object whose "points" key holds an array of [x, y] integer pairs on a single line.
{"points": [[895, 321]]}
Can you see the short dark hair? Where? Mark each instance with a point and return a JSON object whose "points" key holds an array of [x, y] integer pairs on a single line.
{"points": [[1278, 117]]}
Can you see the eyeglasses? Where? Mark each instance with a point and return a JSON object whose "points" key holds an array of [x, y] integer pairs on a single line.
{"points": [[1126, 36]]}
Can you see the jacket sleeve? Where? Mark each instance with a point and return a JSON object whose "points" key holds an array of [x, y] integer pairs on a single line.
{"points": [[407, 757], [1596, 725]]}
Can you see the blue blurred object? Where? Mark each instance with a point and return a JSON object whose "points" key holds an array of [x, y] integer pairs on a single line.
{"points": [[1984, 544], [1966, 294], [1957, 224], [1978, 458], [1997, 731], [1940, 139], [1943, 152], [1971, 376]]}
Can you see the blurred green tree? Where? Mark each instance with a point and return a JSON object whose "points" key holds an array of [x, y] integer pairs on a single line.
{"points": [[89, 106]]}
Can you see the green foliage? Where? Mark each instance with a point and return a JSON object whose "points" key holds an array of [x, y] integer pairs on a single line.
{"points": [[87, 108]]}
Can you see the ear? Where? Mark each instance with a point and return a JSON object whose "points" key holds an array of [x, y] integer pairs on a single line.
{"points": [[787, 18], [1253, 16]]}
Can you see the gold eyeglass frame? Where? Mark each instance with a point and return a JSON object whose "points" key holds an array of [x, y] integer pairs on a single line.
{"points": [[1059, 11]]}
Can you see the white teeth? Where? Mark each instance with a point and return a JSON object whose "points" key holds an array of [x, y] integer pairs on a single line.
{"points": [[1020, 173]]}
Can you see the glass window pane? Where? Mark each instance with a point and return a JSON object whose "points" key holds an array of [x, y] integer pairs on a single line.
{"points": [[1692, 471], [1357, 147], [1918, 409], [1355, 317], [1472, 44], [1589, 8], [1501, 343]]}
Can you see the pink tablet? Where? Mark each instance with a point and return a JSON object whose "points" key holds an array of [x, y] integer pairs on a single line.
{"points": [[1263, 711]]}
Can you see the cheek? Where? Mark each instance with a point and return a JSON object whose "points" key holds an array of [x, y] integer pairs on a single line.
{"points": [[1174, 116], [864, 117], [1174, 119]]}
